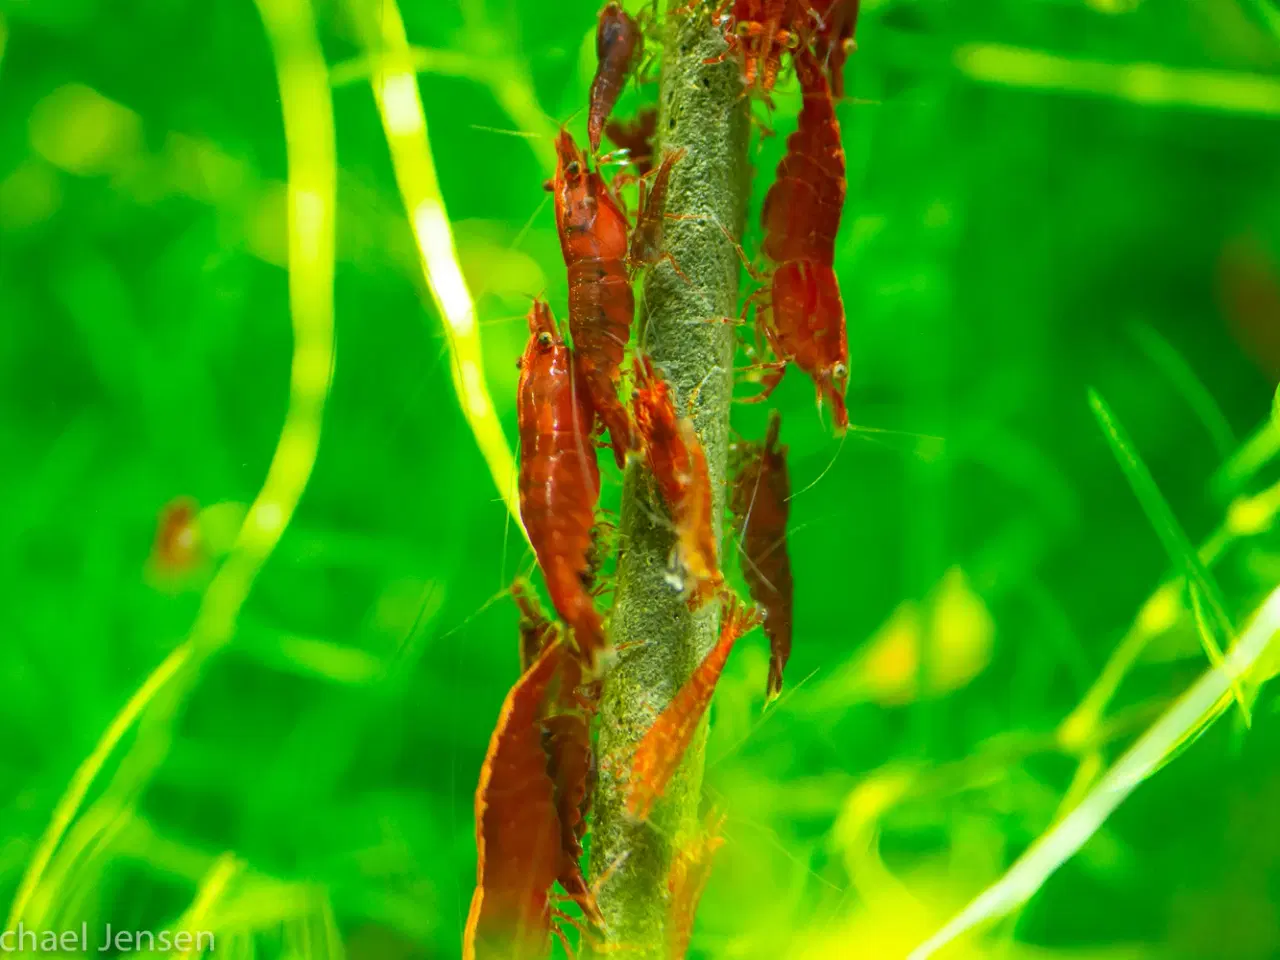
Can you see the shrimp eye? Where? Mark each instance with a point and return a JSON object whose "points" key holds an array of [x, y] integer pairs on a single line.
{"points": [[573, 169], [791, 41], [743, 29], [519, 362], [548, 185], [544, 339], [839, 371]]}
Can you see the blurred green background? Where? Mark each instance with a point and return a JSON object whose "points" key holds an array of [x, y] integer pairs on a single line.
{"points": [[1044, 195]]}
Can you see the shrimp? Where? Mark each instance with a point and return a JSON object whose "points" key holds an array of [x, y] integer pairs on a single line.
{"points": [[663, 746], [619, 49], [759, 502], [593, 238], [571, 763], [690, 871], [559, 476], [645, 249], [805, 322], [636, 137], [566, 738], [760, 31], [763, 31], [517, 828], [679, 465]]}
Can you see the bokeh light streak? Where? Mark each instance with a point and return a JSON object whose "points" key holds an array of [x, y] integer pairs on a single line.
{"points": [[395, 88]]}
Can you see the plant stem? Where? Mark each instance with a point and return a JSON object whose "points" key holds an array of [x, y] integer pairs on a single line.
{"points": [[701, 108]]}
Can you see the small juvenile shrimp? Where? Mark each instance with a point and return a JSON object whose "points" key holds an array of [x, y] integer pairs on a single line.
{"points": [[619, 48], [663, 747], [760, 504], [559, 476], [594, 236], [679, 466], [645, 249]]}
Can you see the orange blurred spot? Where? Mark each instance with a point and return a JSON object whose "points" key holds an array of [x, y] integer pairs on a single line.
{"points": [[178, 548], [1250, 295]]}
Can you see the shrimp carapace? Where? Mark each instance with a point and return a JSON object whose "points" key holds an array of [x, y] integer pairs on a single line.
{"points": [[804, 321], [517, 828], [760, 504], [663, 746], [594, 239], [679, 466], [559, 476], [807, 327], [619, 48]]}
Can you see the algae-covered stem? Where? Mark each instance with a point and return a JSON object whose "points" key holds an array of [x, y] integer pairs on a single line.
{"points": [[702, 109]]}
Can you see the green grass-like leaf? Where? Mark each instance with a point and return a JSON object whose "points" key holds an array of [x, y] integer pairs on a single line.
{"points": [[1174, 538], [1180, 373], [1267, 14], [1183, 720]]}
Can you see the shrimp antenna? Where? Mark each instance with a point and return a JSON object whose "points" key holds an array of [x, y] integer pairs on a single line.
{"points": [[506, 529], [528, 224], [518, 239], [877, 433], [540, 295], [774, 417], [856, 102], [507, 132], [483, 607], [525, 134], [825, 470], [573, 116]]}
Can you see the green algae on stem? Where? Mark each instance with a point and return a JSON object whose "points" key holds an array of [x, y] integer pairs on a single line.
{"points": [[702, 109]]}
